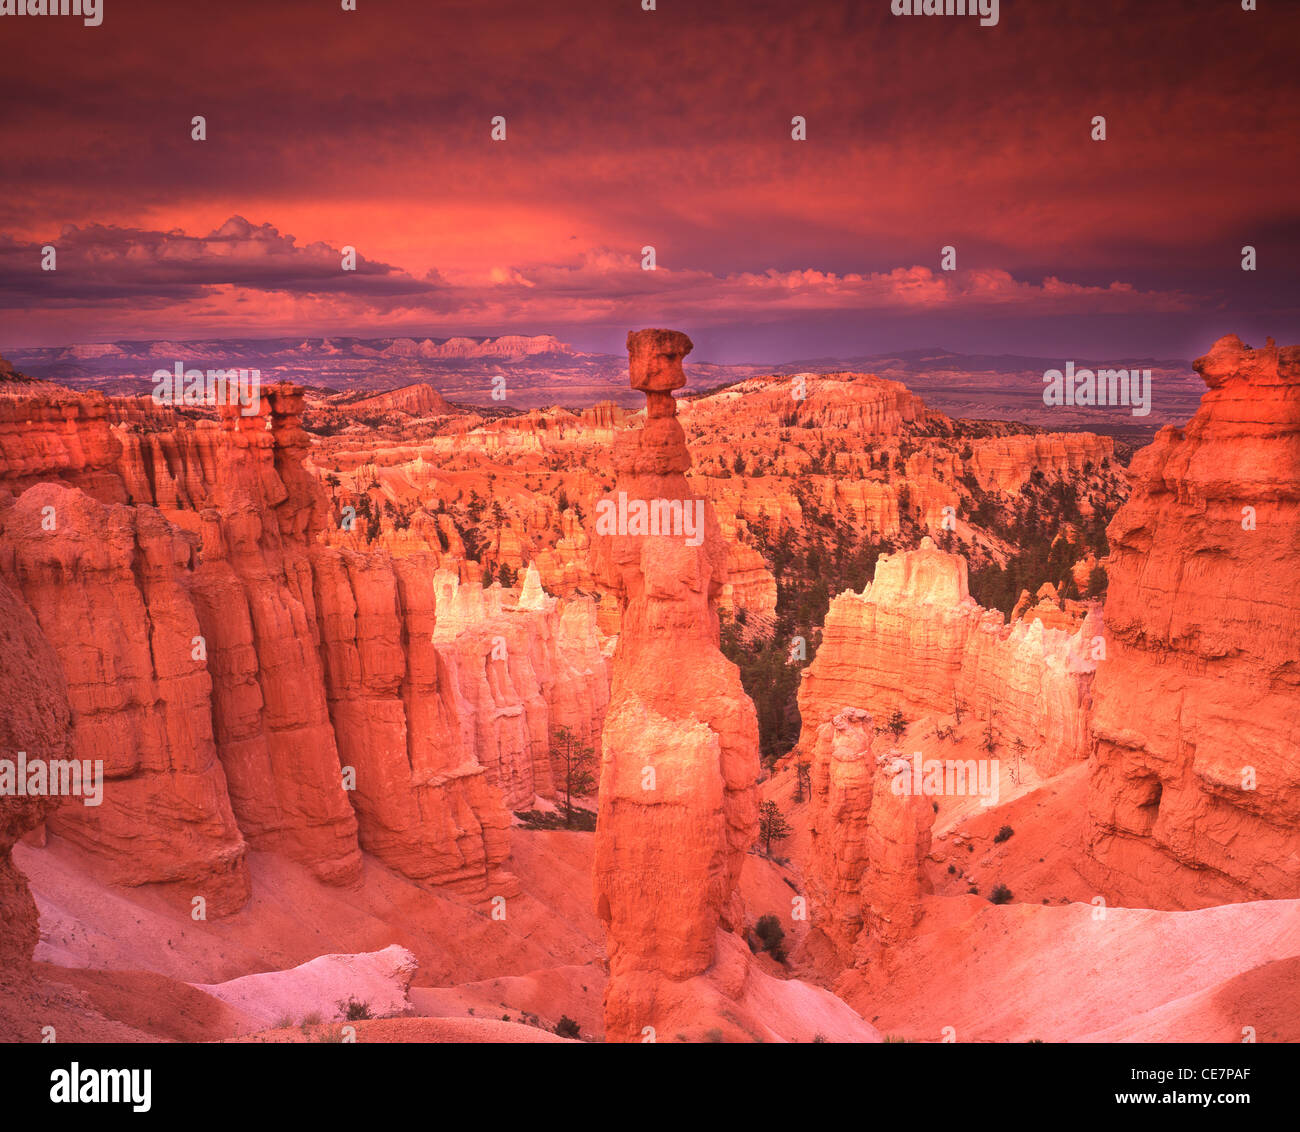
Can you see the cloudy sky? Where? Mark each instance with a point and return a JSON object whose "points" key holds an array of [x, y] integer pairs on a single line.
{"points": [[670, 128]]}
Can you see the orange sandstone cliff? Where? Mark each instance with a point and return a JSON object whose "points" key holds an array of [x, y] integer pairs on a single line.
{"points": [[36, 722], [245, 684], [915, 641], [1194, 797], [868, 842]]}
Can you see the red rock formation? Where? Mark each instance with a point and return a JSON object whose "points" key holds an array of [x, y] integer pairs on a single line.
{"points": [[898, 841], [36, 721], [865, 872], [242, 681], [678, 805], [517, 672], [420, 399], [864, 403], [107, 585], [425, 805], [63, 436], [842, 780], [1050, 609], [257, 610], [1005, 463], [750, 585], [606, 416], [914, 640], [1199, 690], [567, 566]]}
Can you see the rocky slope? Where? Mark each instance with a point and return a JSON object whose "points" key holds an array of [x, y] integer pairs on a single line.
{"points": [[1195, 792]]}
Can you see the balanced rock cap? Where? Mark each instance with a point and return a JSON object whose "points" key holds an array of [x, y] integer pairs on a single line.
{"points": [[654, 359]]}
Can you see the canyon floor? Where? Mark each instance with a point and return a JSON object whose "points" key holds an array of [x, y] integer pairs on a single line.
{"points": [[117, 965]]}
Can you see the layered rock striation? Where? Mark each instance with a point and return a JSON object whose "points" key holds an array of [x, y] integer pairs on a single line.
{"points": [[108, 585]]}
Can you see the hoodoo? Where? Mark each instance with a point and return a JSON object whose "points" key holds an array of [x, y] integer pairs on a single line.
{"points": [[678, 802]]}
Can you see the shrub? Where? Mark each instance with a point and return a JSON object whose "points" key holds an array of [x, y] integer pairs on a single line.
{"points": [[1000, 895], [769, 930], [355, 1011], [897, 724], [566, 1027], [1003, 834]]}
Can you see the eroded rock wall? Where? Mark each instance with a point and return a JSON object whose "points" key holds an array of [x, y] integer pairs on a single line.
{"points": [[1194, 797]]}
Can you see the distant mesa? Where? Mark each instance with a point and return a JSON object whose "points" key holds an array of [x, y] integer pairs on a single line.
{"points": [[419, 399], [506, 346]]}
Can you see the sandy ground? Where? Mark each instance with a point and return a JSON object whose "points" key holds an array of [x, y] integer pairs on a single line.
{"points": [[418, 1030], [1021, 971], [116, 964]]}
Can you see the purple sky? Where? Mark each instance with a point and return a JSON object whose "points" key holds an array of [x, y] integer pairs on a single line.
{"points": [[669, 128]]}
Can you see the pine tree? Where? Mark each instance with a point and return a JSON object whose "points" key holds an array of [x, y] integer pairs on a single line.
{"points": [[578, 762], [772, 825]]}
